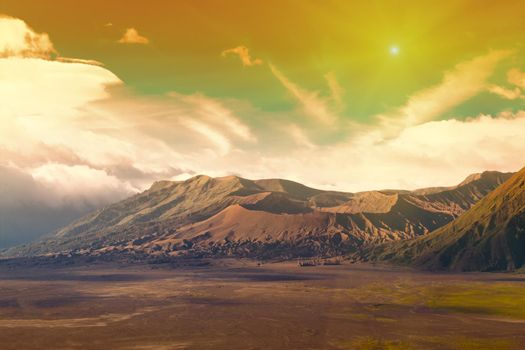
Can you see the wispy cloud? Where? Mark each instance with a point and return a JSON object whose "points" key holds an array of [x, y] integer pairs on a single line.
{"points": [[466, 80], [132, 36], [299, 136], [336, 90], [514, 77], [311, 102], [244, 54], [214, 112], [219, 140], [509, 94]]}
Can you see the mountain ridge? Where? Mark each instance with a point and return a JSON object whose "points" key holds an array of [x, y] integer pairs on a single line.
{"points": [[170, 211], [488, 237]]}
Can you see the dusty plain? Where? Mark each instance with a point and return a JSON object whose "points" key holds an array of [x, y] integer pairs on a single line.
{"points": [[236, 304]]}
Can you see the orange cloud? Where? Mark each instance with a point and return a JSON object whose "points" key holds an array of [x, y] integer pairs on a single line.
{"points": [[244, 55], [336, 90], [504, 92], [514, 76], [132, 36]]}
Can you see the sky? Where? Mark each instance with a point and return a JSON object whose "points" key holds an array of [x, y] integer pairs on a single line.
{"points": [[99, 99]]}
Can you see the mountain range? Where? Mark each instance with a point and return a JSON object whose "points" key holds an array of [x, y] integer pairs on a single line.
{"points": [[488, 237], [227, 216]]}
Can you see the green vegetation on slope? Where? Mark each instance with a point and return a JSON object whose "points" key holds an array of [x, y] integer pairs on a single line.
{"points": [[488, 237]]}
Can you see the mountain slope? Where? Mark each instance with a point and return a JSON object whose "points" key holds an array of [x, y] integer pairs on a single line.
{"points": [[207, 210], [488, 237]]}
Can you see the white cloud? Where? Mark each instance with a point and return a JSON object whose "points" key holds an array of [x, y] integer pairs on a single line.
{"points": [[132, 36], [217, 138], [429, 154], [214, 112], [20, 40], [182, 177], [299, 136], [52, 87], [92, 185], [82, 114]]}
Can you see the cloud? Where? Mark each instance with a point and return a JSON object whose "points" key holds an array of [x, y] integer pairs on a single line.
{"points": [[20, 40], [244, 55], [78, 60], [311, 102], [466, 80], [94, 186], [132, 36], [509, 94], [299, 136], [216, 113], [30, 208], [137, 139], [54, 88], [336, 91], [516, 77], [429, 154], [217, 138]]}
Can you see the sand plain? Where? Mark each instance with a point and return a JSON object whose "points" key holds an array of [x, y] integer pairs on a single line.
{"points": [[236, 304]]}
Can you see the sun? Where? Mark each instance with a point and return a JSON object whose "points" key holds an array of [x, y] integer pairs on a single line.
{"points": [[394, 50]]}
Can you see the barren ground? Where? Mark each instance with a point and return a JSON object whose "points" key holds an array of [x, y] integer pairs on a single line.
{"points": [[239, 305]]}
